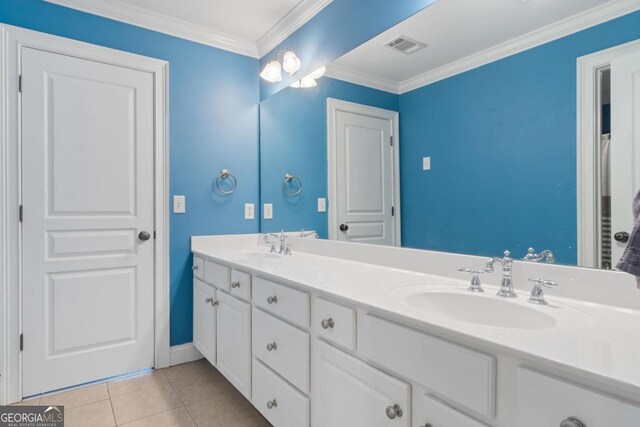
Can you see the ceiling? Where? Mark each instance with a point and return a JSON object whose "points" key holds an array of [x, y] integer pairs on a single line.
{"points": [[248, 27], [464, 34]]}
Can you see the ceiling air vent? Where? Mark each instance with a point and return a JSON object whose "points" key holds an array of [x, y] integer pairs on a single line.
{"points": [[405, 45]]}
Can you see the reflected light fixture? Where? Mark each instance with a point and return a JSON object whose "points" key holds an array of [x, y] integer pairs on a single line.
{"points": [[272, 71], [290, 62], [310, 80], [318, 73]]}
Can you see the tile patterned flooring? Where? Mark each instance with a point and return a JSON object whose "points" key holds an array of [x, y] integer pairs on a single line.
{"points": [[192, 394]]}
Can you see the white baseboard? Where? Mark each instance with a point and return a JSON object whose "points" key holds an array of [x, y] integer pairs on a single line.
{"points": [[184, 353]]}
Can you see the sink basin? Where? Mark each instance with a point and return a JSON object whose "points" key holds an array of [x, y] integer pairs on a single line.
{"points": [[484, 310], [259, 256]]}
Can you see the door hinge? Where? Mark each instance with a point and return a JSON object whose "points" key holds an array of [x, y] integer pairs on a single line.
{"points": [[20, 213], [391, 141], [393, 210], [21, 342], [20, 83]]}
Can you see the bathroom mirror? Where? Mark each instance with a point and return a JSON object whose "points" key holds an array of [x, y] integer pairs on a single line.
{"points": [[464, 129]]}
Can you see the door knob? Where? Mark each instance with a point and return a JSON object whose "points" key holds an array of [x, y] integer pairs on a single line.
{"points": [[144, 235], [621, 236], [344, 227]]}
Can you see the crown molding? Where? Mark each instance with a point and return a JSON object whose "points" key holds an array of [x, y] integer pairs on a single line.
{"points": [[116, 10], [563, 28], [362, 79], [291, 22]]}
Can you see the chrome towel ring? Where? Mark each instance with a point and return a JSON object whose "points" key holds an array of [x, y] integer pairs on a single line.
{"points": [[286, 185], [222, 176]]}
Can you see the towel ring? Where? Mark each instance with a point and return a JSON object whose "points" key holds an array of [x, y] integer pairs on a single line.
{"points": [[288, 179], [223, 175]]}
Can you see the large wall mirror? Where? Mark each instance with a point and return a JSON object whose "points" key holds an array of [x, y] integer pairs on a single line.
{"points": [[471, 127]]}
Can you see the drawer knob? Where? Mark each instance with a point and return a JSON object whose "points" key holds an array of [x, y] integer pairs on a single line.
{"points": [[213, 302], [194, 268], [272, 300], [427, 425], [327, 323], [572, 422], [394, 411], [272, 346], [235, 284], [272, 404]]}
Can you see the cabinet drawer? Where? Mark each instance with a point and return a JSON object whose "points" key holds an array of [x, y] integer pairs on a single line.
{"points": [[454, 372], [288, 352], [198, 267], [432, 412], [547, 401], [289, 407], [240, 284], [288, 303], [217, 275], [335, 322]]}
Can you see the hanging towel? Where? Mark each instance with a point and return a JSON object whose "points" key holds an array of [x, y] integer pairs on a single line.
{"points": [[630, 261]]}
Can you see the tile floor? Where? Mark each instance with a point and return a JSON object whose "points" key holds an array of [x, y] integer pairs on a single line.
{"points": [[192, 394]]}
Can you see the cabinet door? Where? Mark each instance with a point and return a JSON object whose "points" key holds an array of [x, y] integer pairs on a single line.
{"points": [[348, 392], [204, 319], [234, 342]]}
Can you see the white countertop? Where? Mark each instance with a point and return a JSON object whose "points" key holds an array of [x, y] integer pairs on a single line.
{"points": [[598, 342]]}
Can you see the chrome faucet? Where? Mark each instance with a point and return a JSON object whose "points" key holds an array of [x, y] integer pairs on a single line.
{"points": [[532, 256], [506, 284], [537, 295], [305, 234], [285, 249]]}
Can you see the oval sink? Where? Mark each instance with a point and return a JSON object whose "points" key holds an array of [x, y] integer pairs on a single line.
{"points": [[259, 256], [481, 310]]}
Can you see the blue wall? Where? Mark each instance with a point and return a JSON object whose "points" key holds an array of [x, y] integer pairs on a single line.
{"points": [[214, 99], [502, 139], [293, 138], [338, 28]]}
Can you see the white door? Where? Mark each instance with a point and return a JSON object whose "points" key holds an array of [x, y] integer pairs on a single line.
{"points": [[234, 342], [625, 146], [204, 319], [348, 392], [87, 194], [364, 179]]}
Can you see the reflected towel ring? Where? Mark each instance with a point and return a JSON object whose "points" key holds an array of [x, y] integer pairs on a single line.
{"points": [[223, 175], [288, 179]]}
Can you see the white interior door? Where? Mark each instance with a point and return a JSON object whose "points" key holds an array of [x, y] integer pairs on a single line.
{"points": [[87, 193], [364, 179], [625, 146]]}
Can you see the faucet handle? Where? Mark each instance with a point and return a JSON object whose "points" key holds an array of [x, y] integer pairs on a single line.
{"points": [[537, 295], [475, 285]]}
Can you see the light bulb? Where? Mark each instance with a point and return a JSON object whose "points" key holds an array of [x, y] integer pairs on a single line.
{"points": [[308, 82], [318, 73], [272, 71], [295, 84], [291, 63]]}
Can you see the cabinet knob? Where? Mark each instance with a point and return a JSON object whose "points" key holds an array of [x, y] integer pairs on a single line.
{"points": [[194, 268], [215, 303], [572, 422], [272, 346], [208, 300], [272, 300], [427, 425], [235, 284], [394, 411], [327, 323], [272, 404]]}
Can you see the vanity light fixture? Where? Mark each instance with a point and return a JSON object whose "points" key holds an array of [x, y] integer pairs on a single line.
{"points": [[272, 72], [310, 80], [318, 73], [290, 62]]}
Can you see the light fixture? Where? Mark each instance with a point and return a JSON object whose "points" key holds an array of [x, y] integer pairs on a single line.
{"points": [[318, 73], [272, 71], [290, 62], [304, 83]]}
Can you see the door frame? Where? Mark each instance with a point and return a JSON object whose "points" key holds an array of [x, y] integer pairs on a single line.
{"points": [[13, 39], [587, 141], [333, 107]]}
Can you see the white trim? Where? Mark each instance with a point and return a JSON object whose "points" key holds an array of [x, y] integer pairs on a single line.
{"points": [[13, 39], [140, 17], [557, 30], [362, 79], [587, 143], [184, 353], [333, 106], [288, 25]]}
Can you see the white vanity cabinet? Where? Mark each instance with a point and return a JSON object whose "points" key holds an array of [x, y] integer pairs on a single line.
{"points": [[204, 319]]}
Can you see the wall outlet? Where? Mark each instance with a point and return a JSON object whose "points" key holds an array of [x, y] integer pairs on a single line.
{"points": [[426, 163], [322, 204], [268, 211], [249, 211], [179, 204]]}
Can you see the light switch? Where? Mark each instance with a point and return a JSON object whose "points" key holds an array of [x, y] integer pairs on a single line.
{"points": [[268, 211], [322, 204], [249, 211], [179, 204], [426, 163]]}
